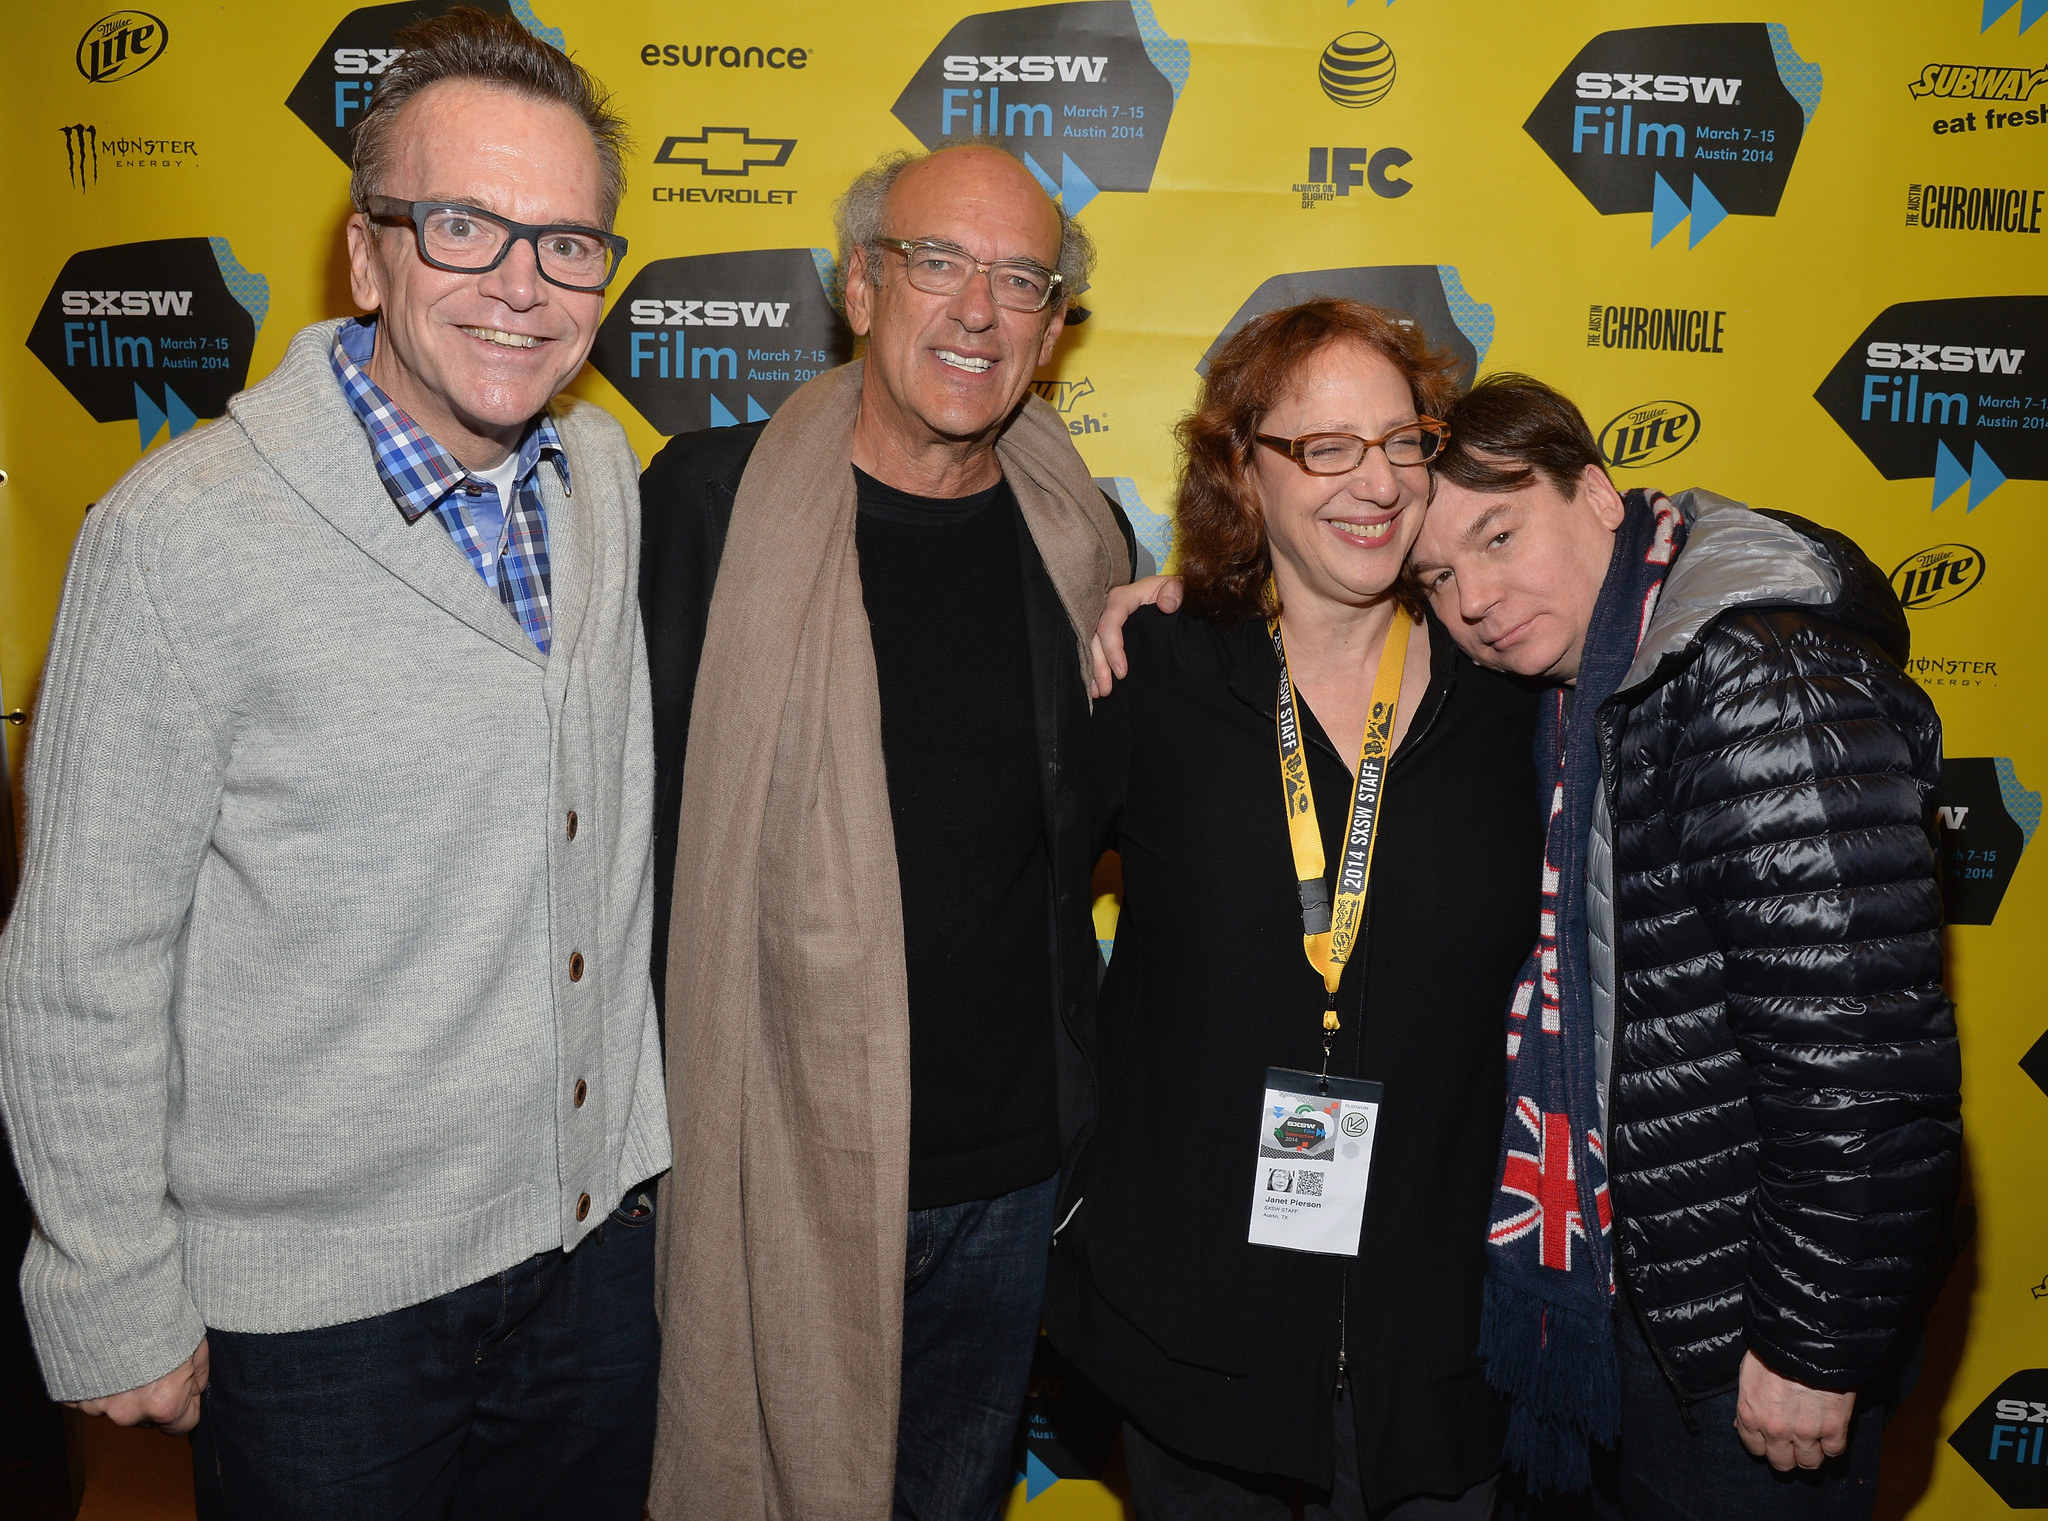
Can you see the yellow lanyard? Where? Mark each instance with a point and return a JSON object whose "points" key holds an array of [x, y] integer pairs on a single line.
{"points": [[1328, 934]]}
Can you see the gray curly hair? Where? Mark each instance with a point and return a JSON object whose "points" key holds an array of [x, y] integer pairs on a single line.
{"points": [[859, 213]]}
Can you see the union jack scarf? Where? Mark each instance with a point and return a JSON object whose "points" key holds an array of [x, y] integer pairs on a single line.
{"points": [[1547, 1330]]}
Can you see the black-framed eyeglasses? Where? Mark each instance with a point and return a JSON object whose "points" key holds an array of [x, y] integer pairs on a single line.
{"points": [[941, 269], [1413, 443], [467, 240]]}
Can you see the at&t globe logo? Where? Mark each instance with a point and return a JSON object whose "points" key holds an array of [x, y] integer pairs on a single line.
{"points": [[1357, 70]]}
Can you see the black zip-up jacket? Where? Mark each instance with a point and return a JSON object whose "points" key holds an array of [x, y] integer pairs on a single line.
{"points": [[1785, 1089], [686, 501]]}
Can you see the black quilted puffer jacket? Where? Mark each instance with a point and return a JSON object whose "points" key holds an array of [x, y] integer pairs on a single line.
{"points": [[1783, 1099]]}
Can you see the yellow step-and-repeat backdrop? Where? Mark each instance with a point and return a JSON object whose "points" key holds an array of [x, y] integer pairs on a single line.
{"points": [[1791, 252]]}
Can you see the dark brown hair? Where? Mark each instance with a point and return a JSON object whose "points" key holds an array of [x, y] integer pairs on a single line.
{"points": [[1225, 557], [467, 43], [1511, 428]]}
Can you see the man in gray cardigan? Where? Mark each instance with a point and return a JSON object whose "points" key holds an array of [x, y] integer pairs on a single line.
{"points": [[327, 1047]]}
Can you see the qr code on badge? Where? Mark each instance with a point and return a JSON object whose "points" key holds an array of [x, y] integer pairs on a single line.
{"points": [[1310, 1183]]}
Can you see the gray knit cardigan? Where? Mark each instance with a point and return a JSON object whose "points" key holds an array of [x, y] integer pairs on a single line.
{"points": [[326, 990]]}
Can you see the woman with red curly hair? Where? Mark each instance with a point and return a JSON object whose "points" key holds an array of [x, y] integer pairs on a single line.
{"points": [[1276, 1264]]}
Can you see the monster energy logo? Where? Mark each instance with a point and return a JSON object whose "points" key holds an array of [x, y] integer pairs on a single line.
{"points": [[81, 150]]}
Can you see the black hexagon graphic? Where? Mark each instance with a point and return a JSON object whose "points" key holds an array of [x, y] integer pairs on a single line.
{"points": [[1431, 294], [160, 331], [335, 89], [1082, 92], [1670, 119], [2006, 1440], [716, 339], [1981, 839], [1950, 389], [1068, 1429], [2035, 1065]]}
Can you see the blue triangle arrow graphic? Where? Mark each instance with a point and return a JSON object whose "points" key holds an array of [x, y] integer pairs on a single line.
{"points": [[1667, 213], [1707, 213], [1046, 182], [1076, 189], [755, 411], [1948, 474], [1037, 1477], [148, 416], [1985, 478], [2032, 11], [720, 416], [180, 415]]}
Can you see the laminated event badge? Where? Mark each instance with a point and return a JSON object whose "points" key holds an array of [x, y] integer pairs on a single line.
{"points": [[1315, 1156]]}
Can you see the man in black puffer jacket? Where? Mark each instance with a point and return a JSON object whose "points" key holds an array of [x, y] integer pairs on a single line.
{"points": [[1775, 1058]]}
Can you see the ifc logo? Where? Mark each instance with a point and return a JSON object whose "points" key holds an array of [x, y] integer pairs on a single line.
{"points": [[1357, 70]]}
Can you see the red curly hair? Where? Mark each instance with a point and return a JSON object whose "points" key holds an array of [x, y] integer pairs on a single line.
{"points": [[1225, 558]]}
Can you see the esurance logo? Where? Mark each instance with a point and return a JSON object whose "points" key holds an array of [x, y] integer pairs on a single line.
{"points": [[1987, 821], [160, 332], [120, 45], [1688, 123], [717, 339], [1942, 388], [2006, 1440], [1937, 576], [1649, 434], [1082, 92], [335, 89]]}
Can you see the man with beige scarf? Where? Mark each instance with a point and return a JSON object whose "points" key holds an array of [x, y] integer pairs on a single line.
{"points": [[880, 965]]}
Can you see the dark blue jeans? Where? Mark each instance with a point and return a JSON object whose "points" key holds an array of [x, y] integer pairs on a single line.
{"points": [[973, 1286], [528, 1394], [1661, 1471]]}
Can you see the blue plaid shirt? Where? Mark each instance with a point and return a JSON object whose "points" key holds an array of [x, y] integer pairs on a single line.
{"points": [[508, 549]]}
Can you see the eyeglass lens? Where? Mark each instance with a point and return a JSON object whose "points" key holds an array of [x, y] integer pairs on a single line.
{"points": [[945, 272], [470, 242], [1337, 453]]}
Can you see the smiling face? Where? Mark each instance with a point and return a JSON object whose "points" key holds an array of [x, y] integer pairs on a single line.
{"points": [[944, 373], [1340, 538], [1514, 575], [473, 358]]}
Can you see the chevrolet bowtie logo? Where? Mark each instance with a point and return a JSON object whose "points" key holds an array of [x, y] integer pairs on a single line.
{"points": [[726, 150]]}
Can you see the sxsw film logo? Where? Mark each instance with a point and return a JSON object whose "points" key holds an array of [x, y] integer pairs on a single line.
{"points": [[716, 339], [1995, 10], [1068, 1427], [1932, 384], [160, 332], [1938, 576], [1987, 821], [1694, 123], [1429, 294], [2006, 1440], [336, 87], [120, 45], [1082, 92], [1649, 434]]}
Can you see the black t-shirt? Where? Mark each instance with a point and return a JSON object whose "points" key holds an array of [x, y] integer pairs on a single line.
{"points": [[944, 591]]}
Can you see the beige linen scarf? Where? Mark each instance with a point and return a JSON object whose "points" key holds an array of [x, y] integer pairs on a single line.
{"points": [[780, 1276]]}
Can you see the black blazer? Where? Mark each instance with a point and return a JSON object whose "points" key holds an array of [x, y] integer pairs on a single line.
{"points": [[686, 500], [1222, 1350]]}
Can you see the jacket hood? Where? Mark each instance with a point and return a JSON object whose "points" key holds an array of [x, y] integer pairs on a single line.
{"points": [[1736, 557]]}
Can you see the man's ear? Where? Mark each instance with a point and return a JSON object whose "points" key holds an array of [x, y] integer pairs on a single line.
{"points": [[1051, 338], [365, 279], [1603, 496], [859, 294]]}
